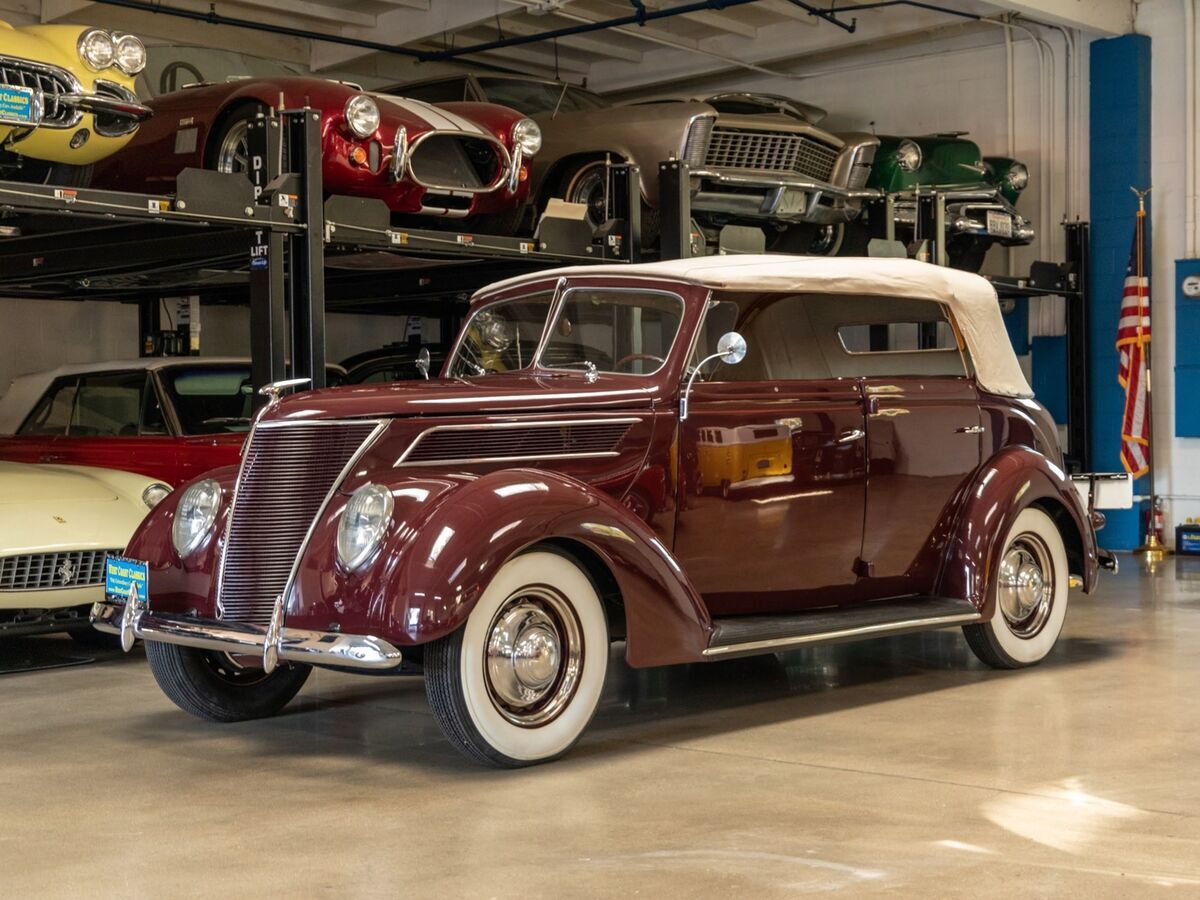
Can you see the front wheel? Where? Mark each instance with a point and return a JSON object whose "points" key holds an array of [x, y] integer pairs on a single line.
{"points": [[214, 686], [519, 682], [1029, 593]]}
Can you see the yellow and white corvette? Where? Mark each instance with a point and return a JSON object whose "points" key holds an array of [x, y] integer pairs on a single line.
{"points": [[57, 523], [66, 100]]}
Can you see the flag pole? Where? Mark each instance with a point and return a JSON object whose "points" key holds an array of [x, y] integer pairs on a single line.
{"points": [[1152, 550]]}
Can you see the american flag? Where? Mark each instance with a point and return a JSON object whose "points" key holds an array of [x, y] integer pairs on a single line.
{"points": [[1133, 347]]}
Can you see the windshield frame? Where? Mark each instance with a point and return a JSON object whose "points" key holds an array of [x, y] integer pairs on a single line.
{"points": [[561, 291]]}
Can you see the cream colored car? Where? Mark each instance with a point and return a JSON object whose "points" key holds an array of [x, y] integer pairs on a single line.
{"points": [[57, 523]]}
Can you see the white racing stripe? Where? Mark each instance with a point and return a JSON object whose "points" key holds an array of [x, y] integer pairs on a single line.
{"points": [[434, 116]]}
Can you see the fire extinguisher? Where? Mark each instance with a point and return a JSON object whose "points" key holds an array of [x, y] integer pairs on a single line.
{"points": [[1156, 519]]}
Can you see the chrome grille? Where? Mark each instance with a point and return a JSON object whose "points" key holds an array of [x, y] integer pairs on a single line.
{"points": [[53, 571], [457, 444], [51, 81], [287, 473], [770, 151], [699, 134]]}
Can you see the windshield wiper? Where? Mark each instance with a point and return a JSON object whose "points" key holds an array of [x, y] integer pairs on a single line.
{"points": [[561, 95]]}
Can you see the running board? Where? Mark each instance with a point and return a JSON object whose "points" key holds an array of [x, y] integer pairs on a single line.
{"points": [[737, 635]]}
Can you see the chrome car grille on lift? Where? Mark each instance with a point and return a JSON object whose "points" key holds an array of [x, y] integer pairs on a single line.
{"points": [[287, 473], [53, 83], [770, 151], [53, 571]]}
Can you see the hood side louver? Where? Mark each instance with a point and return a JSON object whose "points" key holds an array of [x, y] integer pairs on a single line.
{"points": [[452, 444]]}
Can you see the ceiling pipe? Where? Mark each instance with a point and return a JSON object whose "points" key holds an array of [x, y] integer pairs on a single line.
{"points": [[214, 18]]}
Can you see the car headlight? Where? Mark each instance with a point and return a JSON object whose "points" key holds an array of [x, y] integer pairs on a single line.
{"points": [[366, 516], [908, 155], [1017, 176], [96, 49], [130, 54], [194, 516], [155, 494], [362, 115], [527, 136]]}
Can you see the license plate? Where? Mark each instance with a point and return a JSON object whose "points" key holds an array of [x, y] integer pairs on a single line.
{"points": [[122, 576], [19, 106], [999, 224]]}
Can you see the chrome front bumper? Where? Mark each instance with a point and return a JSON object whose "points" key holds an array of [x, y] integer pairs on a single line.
{"points": [[776, 196], [967, 213], [120, 107], [272, 643]]}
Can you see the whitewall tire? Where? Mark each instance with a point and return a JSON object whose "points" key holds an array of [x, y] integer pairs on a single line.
{"points": [[1029, 593], [519, 682]]}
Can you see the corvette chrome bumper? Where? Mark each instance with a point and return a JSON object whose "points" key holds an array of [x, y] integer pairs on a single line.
{"points": [[272, 642]]}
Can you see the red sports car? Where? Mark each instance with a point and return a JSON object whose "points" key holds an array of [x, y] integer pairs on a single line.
{"points": [[452, 160]]}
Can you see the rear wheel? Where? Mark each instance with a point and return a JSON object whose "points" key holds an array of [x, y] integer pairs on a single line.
{"points": [[214, 686], [1029, 592], [519, 682], [587, 183]]}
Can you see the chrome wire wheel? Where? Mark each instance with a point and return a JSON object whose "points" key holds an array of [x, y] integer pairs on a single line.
{"points": [[233, 153], [533, 657], [1026, 585]]}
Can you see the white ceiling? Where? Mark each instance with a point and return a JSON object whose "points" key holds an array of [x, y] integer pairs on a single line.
{"points": [[765, 35]]}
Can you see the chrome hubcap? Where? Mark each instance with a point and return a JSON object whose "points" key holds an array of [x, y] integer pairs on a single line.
{"points": [[1026, 585], [234, 153], [534, 656]]}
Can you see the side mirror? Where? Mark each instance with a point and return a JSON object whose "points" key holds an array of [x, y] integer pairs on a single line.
{"points": [[423, 361], [731, 350]]}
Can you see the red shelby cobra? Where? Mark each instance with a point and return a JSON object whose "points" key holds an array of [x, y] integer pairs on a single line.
{"points": [[454, 160]]}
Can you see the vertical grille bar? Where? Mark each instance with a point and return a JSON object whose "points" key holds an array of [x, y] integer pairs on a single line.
{"points": [[287, 475]]}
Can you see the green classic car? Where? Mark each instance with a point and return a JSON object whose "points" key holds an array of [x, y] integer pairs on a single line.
{"points": [[981, 194]]}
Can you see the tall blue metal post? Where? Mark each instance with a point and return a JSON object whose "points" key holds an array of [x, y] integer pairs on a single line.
{"points": [[1120, 159]]}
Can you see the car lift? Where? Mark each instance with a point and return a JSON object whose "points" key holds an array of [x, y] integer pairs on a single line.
{"points": [[275, 242]]}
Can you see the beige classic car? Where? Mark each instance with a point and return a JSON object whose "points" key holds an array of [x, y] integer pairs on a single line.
{"points": [[57, 524], [754, 159]]}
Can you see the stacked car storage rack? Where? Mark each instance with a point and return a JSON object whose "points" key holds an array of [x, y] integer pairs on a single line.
{"points": [[273, 241]]}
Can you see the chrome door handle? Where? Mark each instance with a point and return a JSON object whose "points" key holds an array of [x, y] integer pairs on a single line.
{"points": [[969, 429], [848, 437]]}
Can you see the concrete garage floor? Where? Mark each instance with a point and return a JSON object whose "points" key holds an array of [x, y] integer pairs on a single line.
{"points": [[897, 765]]}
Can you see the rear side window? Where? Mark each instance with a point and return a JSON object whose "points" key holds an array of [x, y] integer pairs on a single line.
{"points": [[898, 337]]}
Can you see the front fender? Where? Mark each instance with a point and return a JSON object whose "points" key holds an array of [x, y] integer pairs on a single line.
{"points": [[1014, 479], [183, 586], [449, 536]]}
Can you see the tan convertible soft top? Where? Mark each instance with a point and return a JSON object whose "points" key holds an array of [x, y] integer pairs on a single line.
{"points": [[971, 299]]}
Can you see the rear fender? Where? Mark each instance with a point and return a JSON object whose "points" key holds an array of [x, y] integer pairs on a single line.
{"points": [[1011, 481], [450, 535]]}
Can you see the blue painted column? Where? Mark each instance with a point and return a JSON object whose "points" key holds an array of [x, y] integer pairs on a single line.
{"points": [[1120, 158]]}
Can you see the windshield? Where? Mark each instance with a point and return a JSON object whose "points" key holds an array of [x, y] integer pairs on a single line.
{"points": [[629, 331], [501, 337], [171, 68], [535, 98], [210, 399]]}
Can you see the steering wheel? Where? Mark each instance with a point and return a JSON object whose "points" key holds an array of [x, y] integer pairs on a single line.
{"points": [[634, 357], [170, 75]]}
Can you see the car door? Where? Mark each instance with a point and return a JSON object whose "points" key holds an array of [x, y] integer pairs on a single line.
{"points": [[772, 473], [923, 441]]}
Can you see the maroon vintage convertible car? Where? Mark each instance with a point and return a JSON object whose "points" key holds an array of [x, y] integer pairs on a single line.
{"points": [[893, 473], [453, 160]]}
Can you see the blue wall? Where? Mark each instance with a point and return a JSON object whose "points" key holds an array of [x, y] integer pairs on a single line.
{"points": [[1187, 352], [1120, 158]]}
